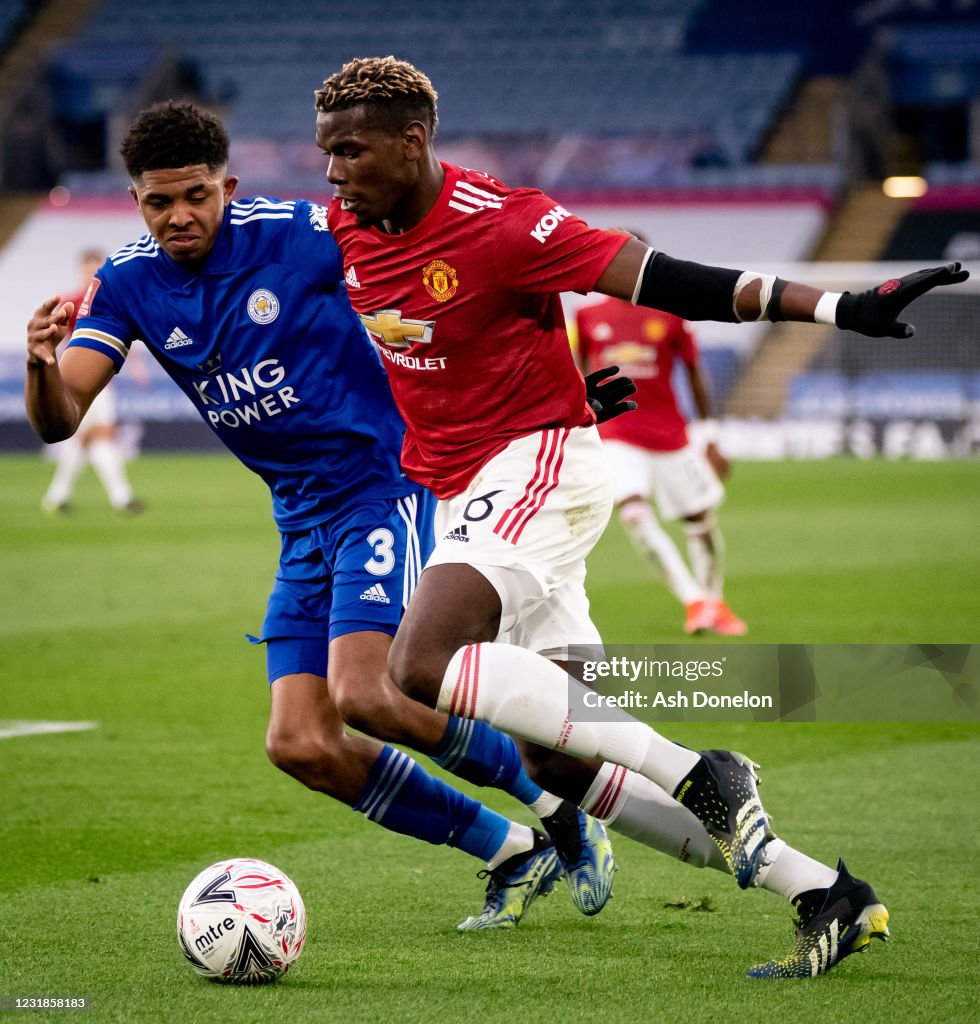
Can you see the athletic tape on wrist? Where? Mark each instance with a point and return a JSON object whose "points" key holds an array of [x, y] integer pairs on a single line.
{"points": [[826, 309], [709, 431]]}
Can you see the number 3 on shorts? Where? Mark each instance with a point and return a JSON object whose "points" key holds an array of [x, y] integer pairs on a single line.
{"points": [[383, 560]]}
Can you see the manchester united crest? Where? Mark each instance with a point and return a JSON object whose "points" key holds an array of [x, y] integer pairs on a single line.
{"points": [[440, 280]]}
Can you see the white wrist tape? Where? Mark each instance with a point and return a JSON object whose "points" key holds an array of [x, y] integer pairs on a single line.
{"points": [[826, 309], [708, 431], [765, 293]]}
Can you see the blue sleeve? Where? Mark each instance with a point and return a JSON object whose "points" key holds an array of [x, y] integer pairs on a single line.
{"points": [[102, 325], [313, 245]]}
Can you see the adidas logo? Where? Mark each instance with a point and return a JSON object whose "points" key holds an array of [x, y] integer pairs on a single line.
{"points": [[177, 339], [459, 533], [351, 278], [375, 593]]}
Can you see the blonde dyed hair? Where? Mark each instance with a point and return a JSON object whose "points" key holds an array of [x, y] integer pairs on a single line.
{"points": [[393, 91]]}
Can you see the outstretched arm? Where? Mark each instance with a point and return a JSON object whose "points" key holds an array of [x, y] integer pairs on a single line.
{"points": [[57, 394], [697, 292]]}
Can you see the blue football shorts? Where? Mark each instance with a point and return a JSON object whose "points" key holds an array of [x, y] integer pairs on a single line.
{"points": [[353, 573]]}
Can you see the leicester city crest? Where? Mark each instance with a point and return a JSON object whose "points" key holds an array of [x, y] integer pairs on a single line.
{"points": [[263, 306]]}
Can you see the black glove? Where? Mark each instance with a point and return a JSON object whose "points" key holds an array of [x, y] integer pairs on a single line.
{"points": [[608, 400], [875, 312]]}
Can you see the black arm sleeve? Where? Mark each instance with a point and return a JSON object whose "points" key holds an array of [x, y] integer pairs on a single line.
{"points": [[689, 290]]}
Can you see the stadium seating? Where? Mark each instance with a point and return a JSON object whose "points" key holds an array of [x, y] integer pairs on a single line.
{"points": [[550, 68], [11, 12], [934, 64], [88, 82]]}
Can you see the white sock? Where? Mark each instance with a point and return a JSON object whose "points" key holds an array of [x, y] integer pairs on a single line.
{"points": [[545, 805], [706, 549], [518, 839], [636, 807], [788, 872], [70, 461], [653, 542], [528, 696], [107, 460]]}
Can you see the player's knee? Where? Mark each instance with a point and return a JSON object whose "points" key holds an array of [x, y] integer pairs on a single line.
{"points": [[361, 703], [289, 753], [417, 670], [701, 524], [310, 760], [634, 511]]}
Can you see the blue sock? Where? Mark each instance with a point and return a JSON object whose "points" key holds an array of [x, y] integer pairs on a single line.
{"points": [[477, 752], [401, 796]]}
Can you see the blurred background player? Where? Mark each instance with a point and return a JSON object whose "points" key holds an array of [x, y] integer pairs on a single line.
{"points": [[651, 456], [97, 439]]}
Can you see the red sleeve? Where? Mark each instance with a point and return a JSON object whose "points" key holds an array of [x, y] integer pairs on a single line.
{"points": [[584, 339], [541, 247], [80, 299], [687, 346]]}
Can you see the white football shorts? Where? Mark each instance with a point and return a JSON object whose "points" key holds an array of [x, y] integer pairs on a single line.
{"points": [[682, 482], [102, 411], [527, 522]]}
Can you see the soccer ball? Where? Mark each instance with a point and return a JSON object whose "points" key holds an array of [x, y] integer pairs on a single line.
{"points": [[242, 921]]}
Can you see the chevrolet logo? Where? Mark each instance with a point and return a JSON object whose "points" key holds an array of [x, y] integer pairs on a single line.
{"points": [[387, 327]]}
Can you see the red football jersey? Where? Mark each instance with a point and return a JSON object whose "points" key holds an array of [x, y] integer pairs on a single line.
{"points": [[77, 300], [465, 312], [644, 343]]}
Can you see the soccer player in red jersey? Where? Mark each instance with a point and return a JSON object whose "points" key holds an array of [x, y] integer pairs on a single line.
{"points": [[456, 278], [649, 454], [97, 440]]}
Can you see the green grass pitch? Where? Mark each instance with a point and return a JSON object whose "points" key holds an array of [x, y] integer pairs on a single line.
{"points": [[138, 624]]}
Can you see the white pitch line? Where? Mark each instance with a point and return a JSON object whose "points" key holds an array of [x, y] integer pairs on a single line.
{"points": [[8, 730]]}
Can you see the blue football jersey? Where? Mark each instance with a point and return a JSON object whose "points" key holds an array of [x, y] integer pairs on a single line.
{"points": [[264, 343]]}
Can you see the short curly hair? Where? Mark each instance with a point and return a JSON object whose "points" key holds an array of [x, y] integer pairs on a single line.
{"points": [[394, 92], [174, 134]]}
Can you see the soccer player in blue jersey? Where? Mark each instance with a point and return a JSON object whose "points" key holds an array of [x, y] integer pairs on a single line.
{"points": [[244, 305]]}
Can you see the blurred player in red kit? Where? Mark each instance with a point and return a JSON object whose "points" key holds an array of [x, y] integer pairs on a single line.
{"points": [[97, 441], [650, 454]]}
